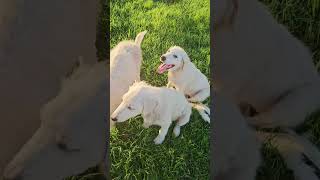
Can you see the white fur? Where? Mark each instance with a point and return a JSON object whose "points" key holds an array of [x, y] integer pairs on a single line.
{"points": [[158, 106], [187, 78], [79, 107], [293, 148], [235, 154], [125, 63], [259, 63]]}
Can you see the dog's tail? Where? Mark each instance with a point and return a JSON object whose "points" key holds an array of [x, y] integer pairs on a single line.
{"points": [[299, 154], [140, 37], [203, 110]]}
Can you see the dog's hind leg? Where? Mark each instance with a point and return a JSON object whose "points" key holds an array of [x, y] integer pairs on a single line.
{"points": [[183, 120], [291, 110], [200, 95]]}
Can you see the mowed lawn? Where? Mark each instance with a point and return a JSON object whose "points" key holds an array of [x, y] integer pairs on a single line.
{"points": [[133, 152]]}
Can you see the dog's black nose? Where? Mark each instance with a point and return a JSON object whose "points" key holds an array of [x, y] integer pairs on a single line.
{"points": [[162, 58], [114, 119]]}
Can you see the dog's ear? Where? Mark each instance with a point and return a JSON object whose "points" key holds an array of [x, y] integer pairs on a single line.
{"points": [[150, 105], [224, 12], [185, 59]]}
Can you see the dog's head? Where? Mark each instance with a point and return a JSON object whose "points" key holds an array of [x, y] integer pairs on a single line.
{"points": [[136, 101], [131, 106], [173, 60], [71, 137]]}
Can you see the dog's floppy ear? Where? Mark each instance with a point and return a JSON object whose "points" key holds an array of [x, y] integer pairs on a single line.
{"points": [[185, 59], [224, 12], [150, 105]]}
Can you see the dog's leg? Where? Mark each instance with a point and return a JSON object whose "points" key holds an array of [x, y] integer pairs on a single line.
{"points": [[183, 120], [200, 96], [162, 133], [291, 110], [170, 85]]}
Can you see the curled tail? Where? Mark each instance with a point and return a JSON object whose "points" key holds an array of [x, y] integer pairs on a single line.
{"points": [[299, 153], [140, 37], [203, 110]]}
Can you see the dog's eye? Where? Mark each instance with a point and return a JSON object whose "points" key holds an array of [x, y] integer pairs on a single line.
{"points": [[130, 108], [175, 56]]}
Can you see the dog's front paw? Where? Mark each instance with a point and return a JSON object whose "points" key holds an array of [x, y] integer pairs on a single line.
{"points": [[158, 140], [176, 131]]}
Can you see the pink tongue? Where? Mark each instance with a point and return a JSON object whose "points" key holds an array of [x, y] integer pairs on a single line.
{"points": [[162, 68]]}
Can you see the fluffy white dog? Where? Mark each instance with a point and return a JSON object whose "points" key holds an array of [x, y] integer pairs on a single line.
{"points": [[235, 152], [186, 78], [125, 63], [276, 77], [260, 64], [158, 106], [59, 147]]}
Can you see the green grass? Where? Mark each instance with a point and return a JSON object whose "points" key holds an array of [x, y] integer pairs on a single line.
{"points": [[302, 18], [133, 151], [184, 23]]}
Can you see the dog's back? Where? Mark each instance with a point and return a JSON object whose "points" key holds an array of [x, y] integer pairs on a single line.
{"points": [[125, 63]]}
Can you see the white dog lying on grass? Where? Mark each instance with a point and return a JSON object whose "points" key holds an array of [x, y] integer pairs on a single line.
{"points": [[125, 63], [157, 105], [186, 78]]}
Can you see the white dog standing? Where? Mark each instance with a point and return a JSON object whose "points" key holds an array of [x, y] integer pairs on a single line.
{"points": [[186, 78], [125, 63], [158, 106]]}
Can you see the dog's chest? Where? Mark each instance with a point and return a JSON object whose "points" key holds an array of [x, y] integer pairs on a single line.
{"points": [[180, 83]]}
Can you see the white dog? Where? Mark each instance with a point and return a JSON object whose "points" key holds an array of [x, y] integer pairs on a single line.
{"points": [[275, 75], [125, 63], [235, 149], [257, 62], [60, 148], [158, 106], [186, 77]]}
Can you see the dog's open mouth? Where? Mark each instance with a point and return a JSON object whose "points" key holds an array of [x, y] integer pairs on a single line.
{"points": [[164, 67]]}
